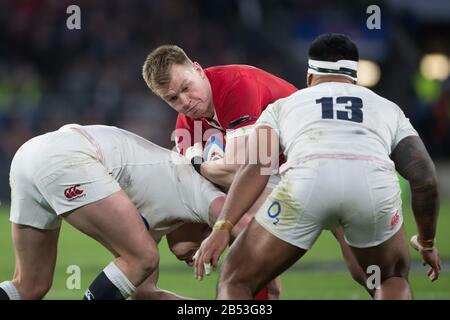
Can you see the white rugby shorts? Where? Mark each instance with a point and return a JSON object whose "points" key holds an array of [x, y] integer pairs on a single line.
{"points": [[53, 174], [361, 195]]}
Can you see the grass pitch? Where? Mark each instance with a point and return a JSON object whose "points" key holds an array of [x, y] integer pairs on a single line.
{"points": [[321, 274]]}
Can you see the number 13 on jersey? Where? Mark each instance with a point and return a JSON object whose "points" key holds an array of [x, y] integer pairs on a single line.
{"points": [[353, 108]]}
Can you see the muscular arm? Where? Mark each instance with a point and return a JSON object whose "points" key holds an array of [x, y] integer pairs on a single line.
{"points": [[219, 173], [222, 171], [248, 185], [413, 162], [249, 182]]}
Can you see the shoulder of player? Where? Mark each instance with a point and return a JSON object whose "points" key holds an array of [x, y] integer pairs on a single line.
{"points": [[382, 101], [233, 73], [286, 100], [231, 68], [299, 94]]}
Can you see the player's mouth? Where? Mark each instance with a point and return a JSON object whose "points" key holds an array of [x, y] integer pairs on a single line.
{"points": [[192, 110]]}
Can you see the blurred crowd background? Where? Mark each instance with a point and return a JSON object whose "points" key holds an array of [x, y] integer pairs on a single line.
{"points": [[50, 75]]}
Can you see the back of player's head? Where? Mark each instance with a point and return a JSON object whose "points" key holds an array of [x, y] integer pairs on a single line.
{"points": [[333, 47], [156, 67]]}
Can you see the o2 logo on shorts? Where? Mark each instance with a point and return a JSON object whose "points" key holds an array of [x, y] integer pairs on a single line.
{"points": [[274, 211]]}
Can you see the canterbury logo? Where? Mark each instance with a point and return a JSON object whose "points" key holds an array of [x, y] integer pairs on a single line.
{"points": [[73, 192], [395, 219]]}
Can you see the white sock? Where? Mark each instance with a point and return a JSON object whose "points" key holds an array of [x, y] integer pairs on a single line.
{"points": [[116, 276], [10, 290]]}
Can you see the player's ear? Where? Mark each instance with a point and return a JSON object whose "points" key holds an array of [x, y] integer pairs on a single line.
{"points": [[308, 79], [198, 68]]}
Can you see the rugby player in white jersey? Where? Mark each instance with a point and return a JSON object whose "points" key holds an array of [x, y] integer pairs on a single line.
{"points": [[343, 144], [109, 184]]}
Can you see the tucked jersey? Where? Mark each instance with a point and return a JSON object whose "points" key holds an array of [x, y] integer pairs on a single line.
{"points": [[240, 93], [336, 120]]}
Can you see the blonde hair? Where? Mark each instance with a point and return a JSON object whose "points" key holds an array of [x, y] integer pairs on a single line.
{"points": [[157, 66]]}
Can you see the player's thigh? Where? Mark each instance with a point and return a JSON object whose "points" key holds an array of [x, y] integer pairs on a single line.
{"points": [[257, 256], [35, 252], [115, 222], [391, 256]]}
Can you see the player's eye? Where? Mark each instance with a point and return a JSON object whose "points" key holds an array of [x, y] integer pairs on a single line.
{"points": [[184, 89], [172, 98]]}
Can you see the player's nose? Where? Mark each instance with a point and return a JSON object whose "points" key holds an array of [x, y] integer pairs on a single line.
{"points": [[185, 102]]}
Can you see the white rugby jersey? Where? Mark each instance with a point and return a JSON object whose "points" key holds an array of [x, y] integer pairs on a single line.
{"points": [[161, 183], [336, 120]]}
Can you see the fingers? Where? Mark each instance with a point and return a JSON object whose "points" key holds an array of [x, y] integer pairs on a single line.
{"points": [[430, 257], [433, 260], [202, 265], [195, 256], [436, 269], [198, 266], [433, 271], [194, 151], [209, 253], [433, 274], [207, 267]]}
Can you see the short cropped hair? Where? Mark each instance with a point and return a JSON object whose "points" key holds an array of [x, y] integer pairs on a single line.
{"points": [[157, 66], [333, 47]]}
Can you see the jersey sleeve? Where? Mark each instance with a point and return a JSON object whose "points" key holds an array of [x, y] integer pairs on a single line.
{"points": [[404, 129], [184, 133]]}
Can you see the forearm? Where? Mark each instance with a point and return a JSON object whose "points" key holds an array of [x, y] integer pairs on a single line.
{"points": [[223, 171], [219, 173], [425, 205], [413, 162], [248, 185]]}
